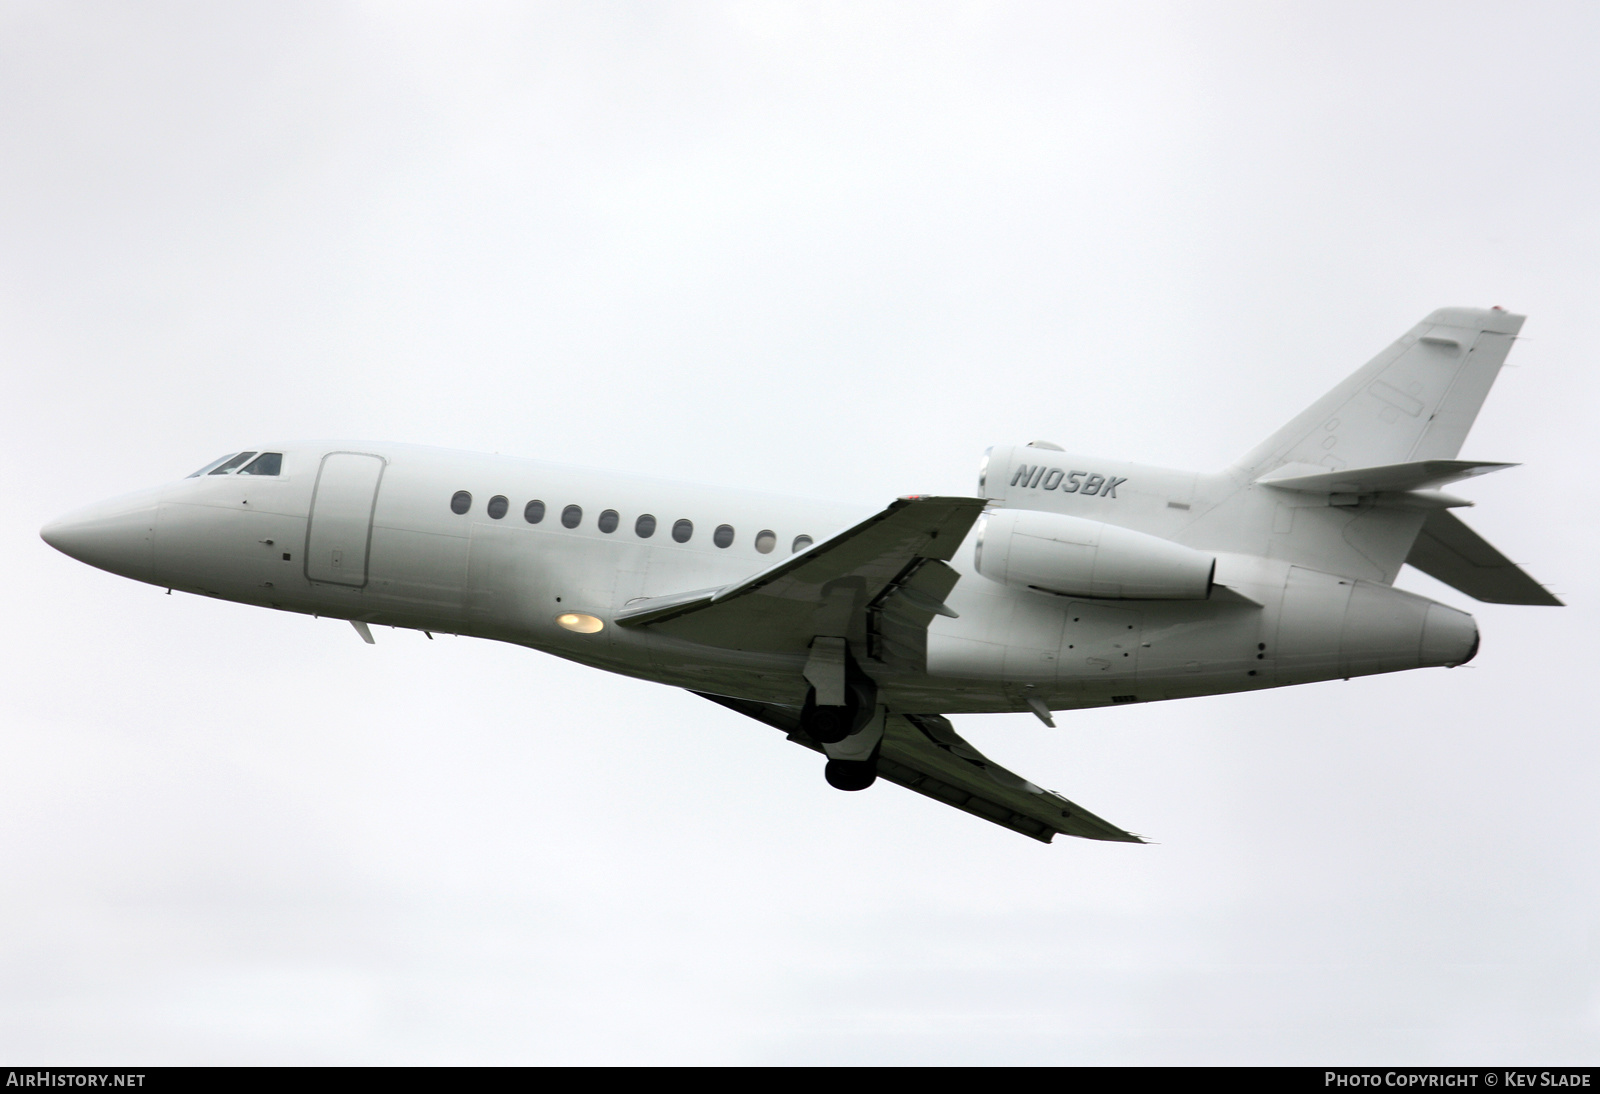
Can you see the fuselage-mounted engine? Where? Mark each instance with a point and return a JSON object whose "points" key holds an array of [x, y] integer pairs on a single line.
{"points": [[1074, 556]]}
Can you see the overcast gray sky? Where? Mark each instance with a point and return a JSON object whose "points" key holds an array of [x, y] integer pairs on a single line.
{"points": [[826, 249]]}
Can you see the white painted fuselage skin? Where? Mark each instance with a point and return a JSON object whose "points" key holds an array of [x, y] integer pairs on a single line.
{"points": [[1269, 621]]}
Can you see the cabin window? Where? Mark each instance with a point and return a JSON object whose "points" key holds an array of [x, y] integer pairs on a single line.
{"points": [[723, 536], [233, 465], [801, 543], [572, 516], [533, 512], [645, 526], [460, 502], [497, 506], [682, 530], [268, 463], [608, 521], [766, 540]]}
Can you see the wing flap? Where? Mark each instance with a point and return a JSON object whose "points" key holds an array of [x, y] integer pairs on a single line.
{"points": [[1448, 551], [923, 752], [898, 618]]}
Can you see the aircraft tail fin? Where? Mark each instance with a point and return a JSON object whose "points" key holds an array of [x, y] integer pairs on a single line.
{"points": [[1415, 401]]}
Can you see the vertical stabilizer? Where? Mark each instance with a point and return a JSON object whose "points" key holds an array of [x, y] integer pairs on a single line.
{"points": [[1414, 401]]}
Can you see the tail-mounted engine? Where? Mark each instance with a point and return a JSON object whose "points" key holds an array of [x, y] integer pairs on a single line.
{"points": [[1074, 556]]}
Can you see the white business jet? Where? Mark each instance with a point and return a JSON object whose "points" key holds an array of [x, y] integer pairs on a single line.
{"points": [[1068, 582]]}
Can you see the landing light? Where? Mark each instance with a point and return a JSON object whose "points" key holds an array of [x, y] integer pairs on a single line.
{"points": [[580, 622]]}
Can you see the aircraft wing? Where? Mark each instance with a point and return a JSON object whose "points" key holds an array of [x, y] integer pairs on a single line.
{"points": [[923, 752], [1448, 551], [826, 589]]}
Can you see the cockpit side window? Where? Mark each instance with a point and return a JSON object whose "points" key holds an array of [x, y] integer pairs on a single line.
{"points": [[213, 464], [268, 463], [232, 465]]}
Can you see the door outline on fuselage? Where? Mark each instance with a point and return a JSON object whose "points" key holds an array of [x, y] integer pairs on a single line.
{"points": [[365, 537]]}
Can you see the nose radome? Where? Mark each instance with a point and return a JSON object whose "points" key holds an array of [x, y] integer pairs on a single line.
{"points": [[117, 536]]}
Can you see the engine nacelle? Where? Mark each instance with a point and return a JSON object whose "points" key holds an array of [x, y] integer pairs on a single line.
{"points": [[1074, 556]]}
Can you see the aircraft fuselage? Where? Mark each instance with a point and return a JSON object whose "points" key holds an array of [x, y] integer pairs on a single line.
{"points": [[370, 532]]}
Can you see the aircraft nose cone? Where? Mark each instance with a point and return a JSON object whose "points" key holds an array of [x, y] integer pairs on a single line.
{"points": [[117, 536]]}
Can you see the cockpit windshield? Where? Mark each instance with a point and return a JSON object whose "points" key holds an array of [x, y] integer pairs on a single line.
{"points": [[213, 464], [241, 463], [233, 465]]}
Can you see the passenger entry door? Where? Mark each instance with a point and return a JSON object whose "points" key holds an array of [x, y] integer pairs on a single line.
{"points": [[340, 530]]}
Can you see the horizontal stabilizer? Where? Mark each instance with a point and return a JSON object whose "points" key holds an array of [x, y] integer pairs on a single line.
{"points": [[1448, 551], [1422, 475], [923, 752]]}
